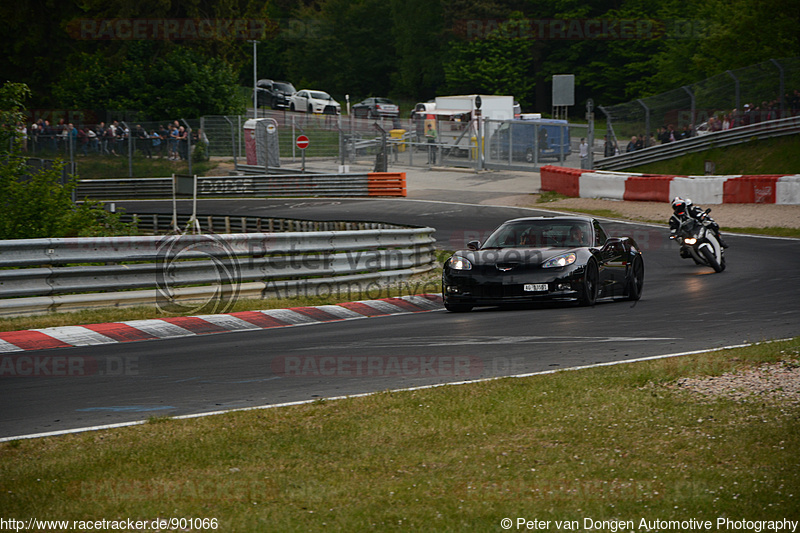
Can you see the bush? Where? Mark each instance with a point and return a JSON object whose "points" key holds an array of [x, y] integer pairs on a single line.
{"points": [[34, 203]]}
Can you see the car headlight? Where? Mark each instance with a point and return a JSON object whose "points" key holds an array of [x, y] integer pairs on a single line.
{"points": [[459, 263], [560, 261]]}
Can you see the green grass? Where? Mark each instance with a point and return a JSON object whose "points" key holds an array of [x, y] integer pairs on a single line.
{"points": [[105, 166], [611, 443], [780, 155]]}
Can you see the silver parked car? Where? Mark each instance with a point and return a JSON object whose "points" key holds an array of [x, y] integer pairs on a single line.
{"points": [[375, 107]]}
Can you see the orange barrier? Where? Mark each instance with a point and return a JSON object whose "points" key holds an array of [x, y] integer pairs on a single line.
{"points": [[386, 184], [561, 180], [647, 188]]}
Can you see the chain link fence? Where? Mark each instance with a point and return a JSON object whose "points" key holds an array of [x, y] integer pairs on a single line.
{"points": [[123, 149], [117, 144], [766, 91]]}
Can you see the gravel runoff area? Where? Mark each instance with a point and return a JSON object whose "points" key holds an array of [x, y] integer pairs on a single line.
{"points": [[773, 382], [726, 215]]}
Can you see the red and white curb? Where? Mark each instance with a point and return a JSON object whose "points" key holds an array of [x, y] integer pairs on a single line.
{"points": [[768, 189], [165, 328]]}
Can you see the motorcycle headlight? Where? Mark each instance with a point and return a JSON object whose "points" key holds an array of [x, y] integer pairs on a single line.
{"points": [[560, 261], [459, 263], [690, 240]]}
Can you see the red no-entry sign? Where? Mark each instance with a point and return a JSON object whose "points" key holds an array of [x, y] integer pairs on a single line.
{"points": [[302, 142]]}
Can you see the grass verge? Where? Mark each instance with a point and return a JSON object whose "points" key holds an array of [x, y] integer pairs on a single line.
{"points": [[780, 155], [610, 444], [101, 167], [427, 283]]}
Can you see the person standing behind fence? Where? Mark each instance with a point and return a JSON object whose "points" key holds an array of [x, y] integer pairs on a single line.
{"points": [[83, 140], [183, 143], [163, 134], [173, 142], [22, 129], [123, 138], [110, 140], [143, 141], [431, 136], [583, 150], [91, 139], [155, 141], [608, 149], [72, 138]]}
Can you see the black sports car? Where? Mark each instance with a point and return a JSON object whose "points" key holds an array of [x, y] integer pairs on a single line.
{"points": [[530, 259]]}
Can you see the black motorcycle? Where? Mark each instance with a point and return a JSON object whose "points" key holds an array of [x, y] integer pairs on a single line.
{"points": [[698, 240]]}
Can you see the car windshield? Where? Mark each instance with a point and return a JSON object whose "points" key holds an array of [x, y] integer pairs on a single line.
{"points": [[541, 234], [319, 95], [285, 87]]}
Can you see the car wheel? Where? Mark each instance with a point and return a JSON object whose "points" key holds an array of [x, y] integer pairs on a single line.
{"points": [[310, 109], [636, 279], [591, 285], [291, 106]]}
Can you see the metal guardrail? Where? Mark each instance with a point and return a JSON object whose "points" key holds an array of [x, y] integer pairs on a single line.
{"points": [[38, 275], [269, 185], [161, 223], [742, 134]]}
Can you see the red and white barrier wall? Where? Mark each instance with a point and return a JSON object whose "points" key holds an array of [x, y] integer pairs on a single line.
{"points": [[772, 189]]}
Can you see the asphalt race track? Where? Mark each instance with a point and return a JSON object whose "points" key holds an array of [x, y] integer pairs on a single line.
{"points": [[684, 308]]}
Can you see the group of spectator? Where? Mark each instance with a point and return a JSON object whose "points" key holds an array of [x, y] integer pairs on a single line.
{"points": [[749, 114], [170, 141]]}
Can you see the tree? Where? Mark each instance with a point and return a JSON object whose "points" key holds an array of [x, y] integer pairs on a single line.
{"points": [[419, 41], [352, 50], [501, 63], [181, 84], [34, 203]]}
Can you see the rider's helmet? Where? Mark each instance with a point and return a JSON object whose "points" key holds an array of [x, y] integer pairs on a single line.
{"points": [[679, 205]]}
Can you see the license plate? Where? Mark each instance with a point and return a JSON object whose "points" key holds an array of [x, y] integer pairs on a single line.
{"points": [[535, 287]]}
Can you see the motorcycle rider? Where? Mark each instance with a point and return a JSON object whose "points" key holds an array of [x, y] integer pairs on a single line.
{"points": [[683, 209]]}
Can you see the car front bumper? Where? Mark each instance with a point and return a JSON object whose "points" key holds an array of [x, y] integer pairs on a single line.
{"points": [[461, 287]]}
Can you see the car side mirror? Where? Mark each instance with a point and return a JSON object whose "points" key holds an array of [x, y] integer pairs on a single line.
{"points": [[473, 245], [612, 243]]}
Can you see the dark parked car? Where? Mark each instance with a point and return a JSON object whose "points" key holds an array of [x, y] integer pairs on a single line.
{"points": [[543, 258], [375, 107], [274, 94]]}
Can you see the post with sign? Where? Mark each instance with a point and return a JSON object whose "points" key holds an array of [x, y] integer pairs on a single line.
{"points": [[302, 144], [183, 185], [590, 133], [479, 139], [563, 94]]}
